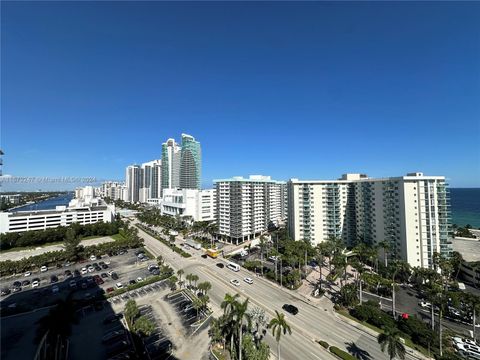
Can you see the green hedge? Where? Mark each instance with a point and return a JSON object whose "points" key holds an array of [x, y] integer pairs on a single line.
{"points": [[324, 344], [341, 354], [138, 285], [166, 242]]}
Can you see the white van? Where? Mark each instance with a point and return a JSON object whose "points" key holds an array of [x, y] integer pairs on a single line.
{"points": [[233, 266]]}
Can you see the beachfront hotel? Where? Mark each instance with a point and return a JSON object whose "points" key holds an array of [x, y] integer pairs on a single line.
{"points": [[410, 213], [246, 207]]}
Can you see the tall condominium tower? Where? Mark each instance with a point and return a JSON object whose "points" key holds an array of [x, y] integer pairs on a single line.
{"points": [[190, 163], [245, 207], [156, 186], [150, 180], [410, 213], [133, 182], [170, 165]]}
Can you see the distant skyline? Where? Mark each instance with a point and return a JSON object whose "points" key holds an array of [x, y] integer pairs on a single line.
{"points": [[309, 90]]}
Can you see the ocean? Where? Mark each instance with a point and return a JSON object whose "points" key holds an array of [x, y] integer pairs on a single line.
{"points": [[465, 206]]}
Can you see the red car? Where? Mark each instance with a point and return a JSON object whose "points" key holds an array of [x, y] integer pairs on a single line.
{"points": [[98, 280], [110, 289]]}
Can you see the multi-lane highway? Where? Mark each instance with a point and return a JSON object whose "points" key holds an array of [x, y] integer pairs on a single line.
{"points": [[310, 324]]}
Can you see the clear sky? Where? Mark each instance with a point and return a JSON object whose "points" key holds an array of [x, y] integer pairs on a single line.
{"points": [[308, 90]]}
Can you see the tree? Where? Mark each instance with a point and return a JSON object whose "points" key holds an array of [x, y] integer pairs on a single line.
{"points": [[188, 277], [228, 306], [254, 350], [259, 320], [263, 245], [71, 243], [204, 287], [241, 313], [390, 340], [131, 310], [180, 273], [385, 246], [172, 281], [279, 326], [160, 260], [195, 278], [144, 326], [348, 295], [197, 304]]}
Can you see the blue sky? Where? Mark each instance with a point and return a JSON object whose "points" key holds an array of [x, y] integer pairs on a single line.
{"points": [[308, 90]]}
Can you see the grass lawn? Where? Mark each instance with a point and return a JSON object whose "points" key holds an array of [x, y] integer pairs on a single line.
{"points": [[408, 341], [117, 237]]}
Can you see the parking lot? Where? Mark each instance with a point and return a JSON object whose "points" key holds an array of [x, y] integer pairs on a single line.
{"points": [[157, 345], [105, 274]]}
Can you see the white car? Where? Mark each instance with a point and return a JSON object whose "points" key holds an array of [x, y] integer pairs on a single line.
{"points": [[28, 273], [119, 285], [424, 304], [107, 262], [139, 279], [43, 268], [459, 340], [91, 269], [83, 271], [93, 258], [35, 284], [248, 280], [235, 282]]}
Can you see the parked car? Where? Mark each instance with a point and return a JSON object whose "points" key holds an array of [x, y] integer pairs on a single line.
{"points": [[290, 308], [155, 272], [91, 269], [28, 273], [17, 284], [110, 289], [114, 276], [43, 269], [235, 282], [16, 289], [35, 283], [119, 285], [139, 279], [93, 258], [25, 282], [104, 275], [132, 282], [220, 265], [53, 279], [84, 271], [104, 266], [5, 291]]}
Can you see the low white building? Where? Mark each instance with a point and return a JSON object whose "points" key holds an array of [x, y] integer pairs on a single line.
{"points": [[199, 204], [62, 216]]}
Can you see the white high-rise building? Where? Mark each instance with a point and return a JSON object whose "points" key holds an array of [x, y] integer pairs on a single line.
{"points": [[245, 207], [199, 204], [171, 158], [151, 172], [410, 213], [133, 183]]}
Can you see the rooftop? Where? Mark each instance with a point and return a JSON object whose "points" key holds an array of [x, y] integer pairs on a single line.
{"points": [[470, 249]]}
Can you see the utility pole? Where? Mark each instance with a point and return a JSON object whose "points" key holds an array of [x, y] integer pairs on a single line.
{"points": [[281, 273]]}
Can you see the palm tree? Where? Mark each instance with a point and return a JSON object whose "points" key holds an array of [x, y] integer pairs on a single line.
{"points": [[279, 325], [390, 340], [241, 313], [385, 246], [180, 272], [204, 287], [195, 278], [228, 306], [188, 277]]}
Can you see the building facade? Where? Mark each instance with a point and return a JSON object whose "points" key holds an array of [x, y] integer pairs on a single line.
{"points": [[133, 182], [410, 213], [170, 171], [190, 163], [246, 207], [199, 204]]}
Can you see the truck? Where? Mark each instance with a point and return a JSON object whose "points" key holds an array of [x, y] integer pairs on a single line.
{"points": [[193, 244], [212, 253]]}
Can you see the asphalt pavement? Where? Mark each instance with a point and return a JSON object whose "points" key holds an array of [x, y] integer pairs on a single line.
{"points": [[310, 324]]}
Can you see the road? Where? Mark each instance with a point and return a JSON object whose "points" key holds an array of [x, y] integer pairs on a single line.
{"points": [[310, 324]]}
